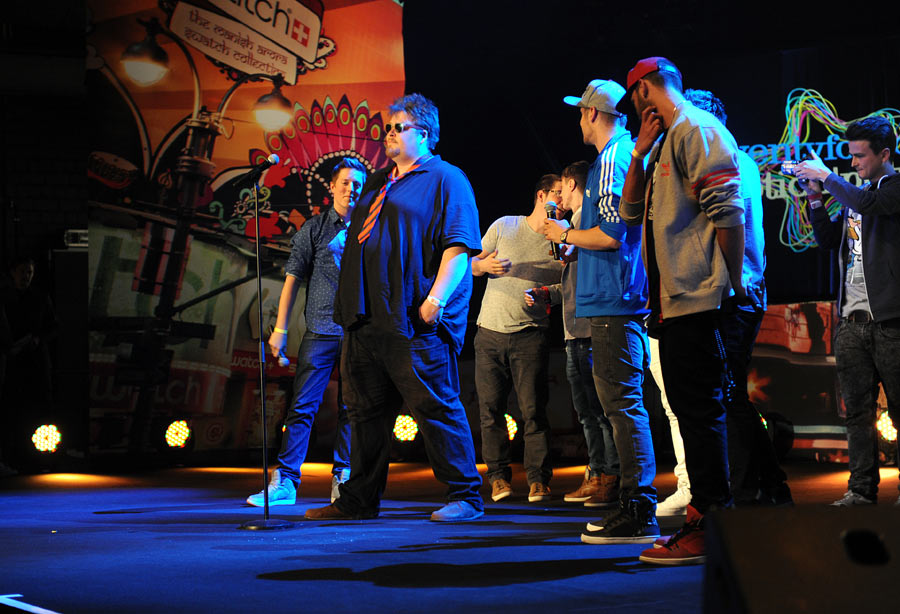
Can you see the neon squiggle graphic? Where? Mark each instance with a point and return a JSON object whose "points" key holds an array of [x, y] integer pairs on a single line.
{"points": [[804, 105]]}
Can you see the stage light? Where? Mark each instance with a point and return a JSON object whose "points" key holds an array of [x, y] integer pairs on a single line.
{"points": [[273, 111], [756, 387], [177, 434], [46, 438], [145, 62], [405, 428], [886, 427], [511, 427]]}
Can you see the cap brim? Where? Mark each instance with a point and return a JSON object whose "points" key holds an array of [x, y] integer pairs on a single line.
{"points": [[624, 105], [572, 100]]}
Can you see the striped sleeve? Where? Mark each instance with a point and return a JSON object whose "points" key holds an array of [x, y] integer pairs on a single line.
{"points": [[711, 167], [614, 161]]}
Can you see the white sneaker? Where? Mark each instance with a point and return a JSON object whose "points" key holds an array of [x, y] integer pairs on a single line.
{"points": [[281, 492], [675, 504], [851, 499], [336, 480]]}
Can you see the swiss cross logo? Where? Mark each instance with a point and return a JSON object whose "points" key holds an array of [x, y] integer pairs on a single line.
{"points": [[666, 169], [300, 32]]}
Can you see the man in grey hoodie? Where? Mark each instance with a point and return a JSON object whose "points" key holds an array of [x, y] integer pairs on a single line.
{"points": [[689, 199]]}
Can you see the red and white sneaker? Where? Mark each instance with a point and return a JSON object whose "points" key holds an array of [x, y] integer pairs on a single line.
{"points": [[686, 547]]}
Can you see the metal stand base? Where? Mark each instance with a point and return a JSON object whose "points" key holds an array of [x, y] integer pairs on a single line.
{"points": [[268, 524]]}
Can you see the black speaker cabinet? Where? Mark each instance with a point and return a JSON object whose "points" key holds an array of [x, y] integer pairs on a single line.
{"points": [[805, 559]]}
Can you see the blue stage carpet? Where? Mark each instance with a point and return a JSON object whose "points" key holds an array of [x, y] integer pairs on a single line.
{"points": [[168, 541]]}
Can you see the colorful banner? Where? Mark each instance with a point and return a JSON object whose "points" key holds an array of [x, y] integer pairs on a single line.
{"points": [[342, 63], [338, 95], [228, 42]]}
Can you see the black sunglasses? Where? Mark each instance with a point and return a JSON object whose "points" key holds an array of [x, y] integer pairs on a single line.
{"points": [[398, 128]]}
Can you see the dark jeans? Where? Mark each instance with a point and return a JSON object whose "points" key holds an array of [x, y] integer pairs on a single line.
{"points": [[598, 432], [380, 371], [751, 455], [317, 358], [504, 361], [866, 354], [621, 352], [693, 368]]}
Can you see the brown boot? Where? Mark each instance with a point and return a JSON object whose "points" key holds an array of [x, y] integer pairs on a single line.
{"points": [[607, 494], [589, 486], [330, 512]]}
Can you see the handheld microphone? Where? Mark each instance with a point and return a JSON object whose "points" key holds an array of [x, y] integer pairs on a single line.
{"points": [[550, 208]]}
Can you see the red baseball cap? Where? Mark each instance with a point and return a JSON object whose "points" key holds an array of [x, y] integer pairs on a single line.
{"points": [[642, 69]]}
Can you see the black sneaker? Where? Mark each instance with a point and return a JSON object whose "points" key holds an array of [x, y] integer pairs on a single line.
{"points": [[602, 521], [633, 525], [781, 496]]}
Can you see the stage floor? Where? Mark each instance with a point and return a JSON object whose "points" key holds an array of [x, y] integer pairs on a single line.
{"points": [[168, 541]]}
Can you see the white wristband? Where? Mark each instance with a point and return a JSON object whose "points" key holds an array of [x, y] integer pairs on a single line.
{"points": [[436, 301]]}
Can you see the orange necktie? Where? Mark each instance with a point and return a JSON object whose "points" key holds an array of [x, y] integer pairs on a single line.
{"points": [[375, 207]]}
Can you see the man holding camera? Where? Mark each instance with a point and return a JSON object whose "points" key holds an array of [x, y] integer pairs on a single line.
{"points": [[867, 341]]}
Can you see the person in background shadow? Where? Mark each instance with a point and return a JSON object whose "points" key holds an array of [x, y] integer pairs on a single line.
{"points": [[27, 324]]}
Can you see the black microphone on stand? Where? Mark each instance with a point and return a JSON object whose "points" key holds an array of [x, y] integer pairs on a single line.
{"points": [[253, 175], [550, 208]]}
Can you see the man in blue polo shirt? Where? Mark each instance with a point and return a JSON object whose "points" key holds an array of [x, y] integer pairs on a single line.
{"points": [[403, 298], [313, 260], [611, 290]]}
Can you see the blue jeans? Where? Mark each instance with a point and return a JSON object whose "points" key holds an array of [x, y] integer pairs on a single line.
{"points": [[866, 354], [317, 358], [598, 432], [504, 361], [621, 353], [381, 371]]}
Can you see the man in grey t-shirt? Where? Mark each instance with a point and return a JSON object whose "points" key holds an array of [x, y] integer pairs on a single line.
{"points": [[512, 342]]}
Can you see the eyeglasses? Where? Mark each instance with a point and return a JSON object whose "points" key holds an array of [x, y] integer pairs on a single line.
{"points": [[398, 128], [557, 192]]}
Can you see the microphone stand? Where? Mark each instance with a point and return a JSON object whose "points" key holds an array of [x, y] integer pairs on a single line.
{"points": [[266, 523]]}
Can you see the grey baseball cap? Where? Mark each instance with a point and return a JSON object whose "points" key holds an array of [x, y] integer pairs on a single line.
{"points": [[600, 94]]}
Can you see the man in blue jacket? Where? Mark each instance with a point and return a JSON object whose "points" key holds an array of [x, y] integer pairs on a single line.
{"points": [[611, 290], [867, 341]]}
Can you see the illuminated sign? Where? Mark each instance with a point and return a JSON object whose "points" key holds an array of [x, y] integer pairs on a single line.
{"points": [[289, 23], [232, 43], [833, 148], [803, 106]]}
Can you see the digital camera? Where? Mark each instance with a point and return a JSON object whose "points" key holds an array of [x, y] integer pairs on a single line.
{"points": [[788, 166]]}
